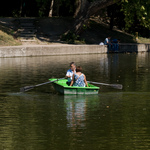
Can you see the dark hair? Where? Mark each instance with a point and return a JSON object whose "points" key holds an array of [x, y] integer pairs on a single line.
{"points": [[78, 69], [72, 63]]}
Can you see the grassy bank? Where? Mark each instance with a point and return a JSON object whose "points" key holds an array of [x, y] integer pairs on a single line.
{"points": [[7, 37]]}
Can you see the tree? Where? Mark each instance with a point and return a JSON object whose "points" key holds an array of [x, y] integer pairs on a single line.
{"points": [[51, 9], [136, 10], [86, 9]]}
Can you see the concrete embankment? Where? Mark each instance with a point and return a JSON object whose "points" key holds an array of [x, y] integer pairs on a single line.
{"points": [[64, 49], [51, 50], [130, 47]]}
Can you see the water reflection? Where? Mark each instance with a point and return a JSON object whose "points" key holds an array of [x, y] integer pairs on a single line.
{"points": [[76, 111]]}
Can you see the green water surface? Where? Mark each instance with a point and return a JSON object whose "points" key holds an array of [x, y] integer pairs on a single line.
{"points": [[42, 119]]}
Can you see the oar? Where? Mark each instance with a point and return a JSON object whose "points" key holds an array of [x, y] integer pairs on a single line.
{"points": [[117, 86], [27, 88]]}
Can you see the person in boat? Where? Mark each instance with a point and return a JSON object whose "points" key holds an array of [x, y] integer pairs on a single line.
{"points": [[78, 78], [70, 72]]}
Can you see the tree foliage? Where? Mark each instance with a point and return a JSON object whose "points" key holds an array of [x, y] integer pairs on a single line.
{"points": [[36, 8], [136, 11]]}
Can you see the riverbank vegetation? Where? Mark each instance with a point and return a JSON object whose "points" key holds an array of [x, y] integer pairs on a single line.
{"points": [[118, 18], [7, 37]]}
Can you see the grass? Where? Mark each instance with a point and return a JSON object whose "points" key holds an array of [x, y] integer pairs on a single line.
{"points": [[143, 40], [7, 37]]}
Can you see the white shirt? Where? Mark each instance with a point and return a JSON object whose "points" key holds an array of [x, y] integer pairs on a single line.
{"points": [[106, 41], [69, 73], [101, 43]]}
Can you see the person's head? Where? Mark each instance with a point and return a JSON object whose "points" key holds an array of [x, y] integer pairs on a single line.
{"points": [[72, 65], [109, 37], [78, 69]]}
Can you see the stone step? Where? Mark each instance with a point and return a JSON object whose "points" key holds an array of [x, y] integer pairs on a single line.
{"points": [[27, 23], [27, 29], [27, 32], [27, 20], [27, 35], [27, 38]]}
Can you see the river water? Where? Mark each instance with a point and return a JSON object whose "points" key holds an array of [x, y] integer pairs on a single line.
{"points": [[42, 119]]}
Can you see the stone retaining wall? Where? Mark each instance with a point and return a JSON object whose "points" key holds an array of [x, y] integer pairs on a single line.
{"points": [[43, 50], [129, 47], [64, 49]]}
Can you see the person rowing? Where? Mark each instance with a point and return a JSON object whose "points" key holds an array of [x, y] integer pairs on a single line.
{"points": [[78, 78], [70, 72]]}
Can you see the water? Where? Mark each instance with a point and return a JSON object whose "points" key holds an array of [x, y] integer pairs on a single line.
{"points": [[42, 119]]}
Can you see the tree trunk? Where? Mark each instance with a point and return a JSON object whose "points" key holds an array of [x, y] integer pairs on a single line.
{"points": [[111, 10], [20, 12], [88, 9], [81, 16], [111, 22], [79, 6], [51, 9], [57, 4]]}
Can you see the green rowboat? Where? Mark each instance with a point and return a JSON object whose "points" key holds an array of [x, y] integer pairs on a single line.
{"points": [[62, 87]]}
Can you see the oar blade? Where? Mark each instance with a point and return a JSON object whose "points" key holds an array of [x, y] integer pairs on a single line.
{"points": [[116, 86], [26, 88]]}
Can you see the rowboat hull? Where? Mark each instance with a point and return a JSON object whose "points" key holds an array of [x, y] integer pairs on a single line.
{"points": [[62, 87]]}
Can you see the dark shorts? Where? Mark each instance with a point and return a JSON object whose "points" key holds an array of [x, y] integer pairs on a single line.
{"points": [[68, 83]]}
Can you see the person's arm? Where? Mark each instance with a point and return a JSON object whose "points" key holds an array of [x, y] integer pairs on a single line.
{"points": [[107, 41], [72, 80], [85, 81], [67, 76]]}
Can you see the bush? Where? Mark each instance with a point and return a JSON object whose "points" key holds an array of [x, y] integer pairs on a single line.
{"points": [[70, 37]]}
